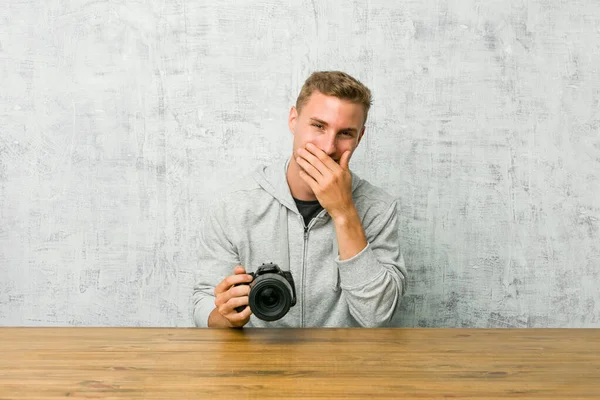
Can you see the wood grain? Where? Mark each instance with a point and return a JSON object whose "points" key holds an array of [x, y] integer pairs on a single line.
{"points": [[170, 363]]}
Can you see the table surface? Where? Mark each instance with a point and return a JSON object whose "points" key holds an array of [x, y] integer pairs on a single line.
{"points": [[186, 363]]}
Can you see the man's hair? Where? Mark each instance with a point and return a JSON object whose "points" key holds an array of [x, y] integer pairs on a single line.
{"points": [[338, 84]]}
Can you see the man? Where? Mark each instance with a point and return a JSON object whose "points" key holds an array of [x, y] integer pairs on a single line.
{"points": [[340, 232]]}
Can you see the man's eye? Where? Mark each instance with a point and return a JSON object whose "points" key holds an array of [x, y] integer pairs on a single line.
{"points": [[347, 133], [317, 126]]}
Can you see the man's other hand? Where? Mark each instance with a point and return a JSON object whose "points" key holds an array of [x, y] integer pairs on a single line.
{"points": [[228, 297]]}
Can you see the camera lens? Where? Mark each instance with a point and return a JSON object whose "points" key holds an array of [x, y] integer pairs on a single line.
{"points": [[270, 297]]}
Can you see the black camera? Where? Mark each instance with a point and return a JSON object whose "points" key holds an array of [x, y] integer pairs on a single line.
{"points": [[272, 292]]}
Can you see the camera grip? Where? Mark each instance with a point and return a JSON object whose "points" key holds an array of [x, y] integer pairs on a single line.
{"points": [[240, 308]]}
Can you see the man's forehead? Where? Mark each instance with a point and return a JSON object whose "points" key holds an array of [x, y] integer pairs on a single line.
{"points": [[333, 109]]}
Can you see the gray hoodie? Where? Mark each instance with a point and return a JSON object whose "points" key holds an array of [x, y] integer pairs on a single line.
{"points": [[243, 226]]}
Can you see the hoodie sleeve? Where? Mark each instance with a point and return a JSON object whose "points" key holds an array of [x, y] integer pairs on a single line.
{"points": [[374, 280], [217, 257]]}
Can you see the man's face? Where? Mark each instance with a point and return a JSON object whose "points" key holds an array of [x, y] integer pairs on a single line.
{"points": [[331, 124]]}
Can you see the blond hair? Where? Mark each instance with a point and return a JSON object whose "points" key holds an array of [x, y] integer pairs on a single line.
{"points": [[338, 84]]}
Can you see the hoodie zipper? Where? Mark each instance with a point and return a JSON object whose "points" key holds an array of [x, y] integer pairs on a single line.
{"points": [[306, 230], [304, 271]]}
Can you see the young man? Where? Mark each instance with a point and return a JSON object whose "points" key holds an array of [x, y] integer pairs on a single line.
{"points": [[339, 233]]}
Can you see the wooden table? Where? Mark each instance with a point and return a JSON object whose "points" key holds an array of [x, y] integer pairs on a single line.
{"points": [[119, 363]]}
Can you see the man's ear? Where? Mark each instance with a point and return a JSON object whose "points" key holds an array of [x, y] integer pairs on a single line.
{"points": [[360, 136], [293, 119]]}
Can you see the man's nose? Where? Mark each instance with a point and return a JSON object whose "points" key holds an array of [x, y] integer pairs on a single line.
{"points": [[329, 145]]}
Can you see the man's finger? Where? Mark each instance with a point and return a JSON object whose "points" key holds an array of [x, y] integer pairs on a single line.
{"points": [[345, 159], [239, 291], [310, 181], [314, 161], [231, 280], [309, 168], [221, 300], [238, 302], [231, 293], [239, 269], [327, 161], [242, 316]]}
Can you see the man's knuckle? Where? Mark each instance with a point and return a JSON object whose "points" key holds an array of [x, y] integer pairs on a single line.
{"points": [[219, 301]]}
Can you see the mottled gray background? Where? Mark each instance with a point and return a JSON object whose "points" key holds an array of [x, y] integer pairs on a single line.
{"points": [[119, 119]]}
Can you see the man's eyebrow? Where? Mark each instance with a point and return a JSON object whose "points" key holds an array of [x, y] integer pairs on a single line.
{"points": [[319, 121], [354, 130]]}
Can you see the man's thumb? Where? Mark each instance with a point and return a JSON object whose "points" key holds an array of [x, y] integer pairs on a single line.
{"points": [[239, 269], [345, 160]]}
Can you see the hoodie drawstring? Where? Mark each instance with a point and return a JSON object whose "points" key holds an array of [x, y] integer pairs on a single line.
{"points": [[284, 239]]}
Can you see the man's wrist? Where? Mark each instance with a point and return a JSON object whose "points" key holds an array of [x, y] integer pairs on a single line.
{"points": [[349, 233], [216, 320], [344, 216]]}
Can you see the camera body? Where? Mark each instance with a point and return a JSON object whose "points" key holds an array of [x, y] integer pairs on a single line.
{"points": [[272, 292]]}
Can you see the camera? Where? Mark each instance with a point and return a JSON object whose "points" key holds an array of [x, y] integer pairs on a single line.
{"points": [[272, 292]]}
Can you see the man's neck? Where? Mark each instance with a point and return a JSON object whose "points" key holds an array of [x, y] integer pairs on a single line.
{"points": [[299, 189]]}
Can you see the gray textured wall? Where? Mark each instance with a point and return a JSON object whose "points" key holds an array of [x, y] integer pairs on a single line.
{"points": [[119, 119]]}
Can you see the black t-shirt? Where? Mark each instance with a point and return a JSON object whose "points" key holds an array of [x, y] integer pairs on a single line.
{"points": [[308, 209]]}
